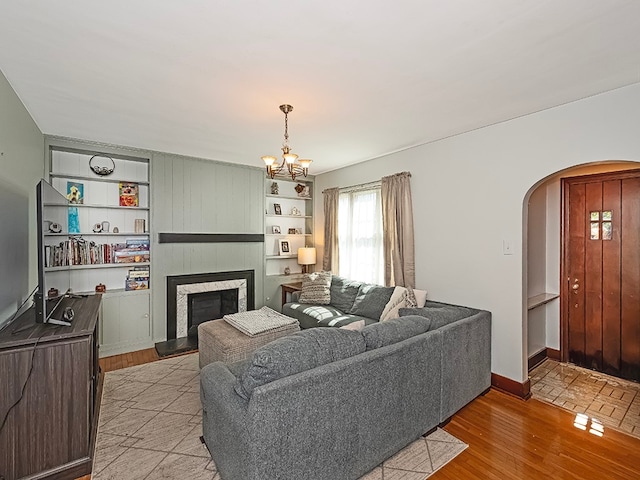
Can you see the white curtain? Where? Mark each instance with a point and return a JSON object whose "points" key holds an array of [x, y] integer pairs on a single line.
{"points": [[360, 235]]}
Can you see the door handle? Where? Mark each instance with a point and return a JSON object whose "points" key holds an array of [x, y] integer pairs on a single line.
{"points": [[576, 286]]}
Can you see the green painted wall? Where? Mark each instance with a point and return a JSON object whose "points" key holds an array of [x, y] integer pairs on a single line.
{"points": [[21, 167]]}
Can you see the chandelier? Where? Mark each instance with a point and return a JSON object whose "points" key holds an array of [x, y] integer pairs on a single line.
{"points": [[290, 165]]}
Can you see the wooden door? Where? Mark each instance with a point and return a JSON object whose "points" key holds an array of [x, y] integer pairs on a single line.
{"points": [[600, 298]]}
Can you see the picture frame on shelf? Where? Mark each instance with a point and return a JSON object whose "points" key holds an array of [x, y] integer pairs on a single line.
{"points": [[292, 231], [305, 192], [284, 247], [276, 229], [277, 209]]}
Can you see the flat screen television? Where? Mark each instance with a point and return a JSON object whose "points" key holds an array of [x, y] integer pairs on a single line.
{"points": [[52, 219]]}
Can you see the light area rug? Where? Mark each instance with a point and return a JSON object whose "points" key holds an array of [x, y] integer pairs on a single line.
{"points": [[151, 422]]}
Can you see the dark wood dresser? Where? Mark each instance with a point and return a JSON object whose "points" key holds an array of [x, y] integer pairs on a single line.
{"points": [[54, 371]]}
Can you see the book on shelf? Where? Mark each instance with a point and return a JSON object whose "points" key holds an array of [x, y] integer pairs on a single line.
{"points": [[78, 251], [137, 278], [128, 194], [135, 250]]}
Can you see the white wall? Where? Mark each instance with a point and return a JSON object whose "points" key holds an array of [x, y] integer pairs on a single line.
{"points": [[536, 268], [468, 196]]}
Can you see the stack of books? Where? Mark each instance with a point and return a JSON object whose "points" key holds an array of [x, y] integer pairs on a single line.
{"points": [[137, 278], [135, 250]]}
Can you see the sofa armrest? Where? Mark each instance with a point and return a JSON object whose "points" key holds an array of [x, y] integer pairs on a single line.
{"points": [[224, 421], [466, 361]]}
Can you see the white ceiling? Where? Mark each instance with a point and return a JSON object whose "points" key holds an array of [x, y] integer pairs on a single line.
{"points": [[365, 77]]}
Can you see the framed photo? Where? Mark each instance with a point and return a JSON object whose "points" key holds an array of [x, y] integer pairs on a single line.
{"points": [[304, 192], [277, 209], [292, 231], [276, 229], [283, 247], [298, 231]]}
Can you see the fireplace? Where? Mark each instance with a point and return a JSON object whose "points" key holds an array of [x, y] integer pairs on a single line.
{"points": [[205, 306], [196, 298]]}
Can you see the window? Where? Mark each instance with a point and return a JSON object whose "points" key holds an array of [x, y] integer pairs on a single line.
{"points": [[360, 235]]}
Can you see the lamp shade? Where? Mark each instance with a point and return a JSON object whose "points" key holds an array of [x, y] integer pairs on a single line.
{"points": [[307, 256]]}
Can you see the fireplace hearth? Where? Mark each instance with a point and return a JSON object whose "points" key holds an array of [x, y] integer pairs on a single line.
{"points": [[196, 298]]}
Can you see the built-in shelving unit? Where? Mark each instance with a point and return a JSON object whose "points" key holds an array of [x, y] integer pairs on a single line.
{"points": [[288, 218], [125, 323]]}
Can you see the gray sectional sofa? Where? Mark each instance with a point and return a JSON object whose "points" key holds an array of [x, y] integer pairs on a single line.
{"points": [[331, 404], [351, 301]]}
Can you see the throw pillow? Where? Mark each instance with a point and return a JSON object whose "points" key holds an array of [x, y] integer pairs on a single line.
{"points": [[410, 298], [420, 297], [296, 353], [371, 300], [393, 331], [343, 292], [397, 301], [359, 325], [316, 288], [403, 297]]}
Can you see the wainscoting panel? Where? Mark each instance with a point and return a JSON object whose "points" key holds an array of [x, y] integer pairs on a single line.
{"points": [[200, 196]]}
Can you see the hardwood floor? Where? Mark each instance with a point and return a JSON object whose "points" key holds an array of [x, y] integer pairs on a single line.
{"points": [[510, 438], [125, 360]]}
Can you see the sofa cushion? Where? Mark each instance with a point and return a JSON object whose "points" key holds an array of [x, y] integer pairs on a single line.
{"points": [[343, 292], [440, 313], [316, 288], [393, 331], [296, 353], [371, 300]]}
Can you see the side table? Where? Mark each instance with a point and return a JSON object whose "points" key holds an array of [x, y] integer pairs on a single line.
{"points": [[289, 288]]}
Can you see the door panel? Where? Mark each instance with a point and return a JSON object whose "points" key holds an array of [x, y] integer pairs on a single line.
{"points": [[630, 358], [593, 278], [611, 282], [577, 228], [600, 300]]}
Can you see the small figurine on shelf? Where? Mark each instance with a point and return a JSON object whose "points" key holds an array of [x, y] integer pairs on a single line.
{"points": [[274, 188], [287, 271], [295, 211]]}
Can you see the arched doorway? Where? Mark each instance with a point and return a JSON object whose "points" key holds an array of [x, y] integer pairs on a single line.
{"points": [[541, 258]]}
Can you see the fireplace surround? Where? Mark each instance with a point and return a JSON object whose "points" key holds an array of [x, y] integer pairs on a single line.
{"points": [[179, 290]]}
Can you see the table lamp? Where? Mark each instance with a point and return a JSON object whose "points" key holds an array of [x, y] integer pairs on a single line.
{"points": [[306, 257]]}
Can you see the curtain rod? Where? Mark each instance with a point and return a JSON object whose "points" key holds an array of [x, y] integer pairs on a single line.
{"points": [[375, 183]]}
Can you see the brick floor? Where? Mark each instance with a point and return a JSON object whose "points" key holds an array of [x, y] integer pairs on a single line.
{"points": [[611, 401]]}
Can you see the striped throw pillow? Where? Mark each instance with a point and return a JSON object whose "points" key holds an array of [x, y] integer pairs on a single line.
{"points": [[316, 288]]}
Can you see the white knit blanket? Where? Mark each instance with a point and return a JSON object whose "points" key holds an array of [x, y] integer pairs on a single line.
{"points": [[255, 322]]}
